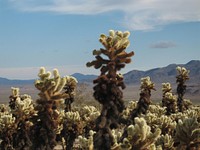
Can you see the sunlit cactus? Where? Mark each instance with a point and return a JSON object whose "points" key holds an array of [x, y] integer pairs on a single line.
{"points": [[22, 109], [143, 104], [169, 99], [166, 87], [157, 109], [188, 134], [139, 136], [13, 97], [110, 60], [69, 89], [181, 78], [87, 144], [72, 128], [89, 115], [7, 130], [51, 96], [22, 106], [166, 142]]}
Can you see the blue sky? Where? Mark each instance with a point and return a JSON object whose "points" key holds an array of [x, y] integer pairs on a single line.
{"points": [[62, 33]]}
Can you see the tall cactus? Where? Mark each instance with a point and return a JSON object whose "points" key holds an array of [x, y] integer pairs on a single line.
{"points": [[107, 89], [169, 99], [181, 78], [143, 104], [46, 122], [69, 88]]}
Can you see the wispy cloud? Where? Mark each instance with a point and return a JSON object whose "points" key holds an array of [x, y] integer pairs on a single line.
{"points": [[163, 44], [138, 14]]}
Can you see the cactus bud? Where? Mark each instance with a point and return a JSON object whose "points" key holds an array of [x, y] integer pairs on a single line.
{"points": [[112, 33], [126, 34]]}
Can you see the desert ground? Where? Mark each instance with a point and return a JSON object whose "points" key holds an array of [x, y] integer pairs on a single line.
{"points": [[85, 93]]}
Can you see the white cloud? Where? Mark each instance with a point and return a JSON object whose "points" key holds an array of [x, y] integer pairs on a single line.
{"points": [[138, 14]]}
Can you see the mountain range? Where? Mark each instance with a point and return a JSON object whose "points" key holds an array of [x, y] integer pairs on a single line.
{"points": [[165, 74], [157, 75]]}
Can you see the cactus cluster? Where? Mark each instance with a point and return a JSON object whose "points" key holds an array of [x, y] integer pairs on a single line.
{"points": [[191, 130], [139, 136], [172, 102], [51, 121]]}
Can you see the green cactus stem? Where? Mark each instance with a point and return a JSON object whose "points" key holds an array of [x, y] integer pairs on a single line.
{"points": [[107, 89], [181, 78]]}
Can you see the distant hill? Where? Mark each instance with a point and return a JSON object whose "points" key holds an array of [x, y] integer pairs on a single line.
{"points": [[165, 74], [4, 81], [158, 75], [84, 78]]}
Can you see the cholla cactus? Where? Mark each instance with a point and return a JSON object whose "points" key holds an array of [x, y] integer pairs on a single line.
{"points": [[3, 109], [116, 136], [181, 78], [72, 127], [51, 96], [143, 104], [85, 143], [89, 115], [170, 101], [139, 136], [7, 129], [147, 84], [131, 105], [166, 87], [69, 88], [23, 104], [157, 109], [107, 89], [72, 116], [166, 142], [165, 123], [23, 110], [188, 134], [13, 97]]}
